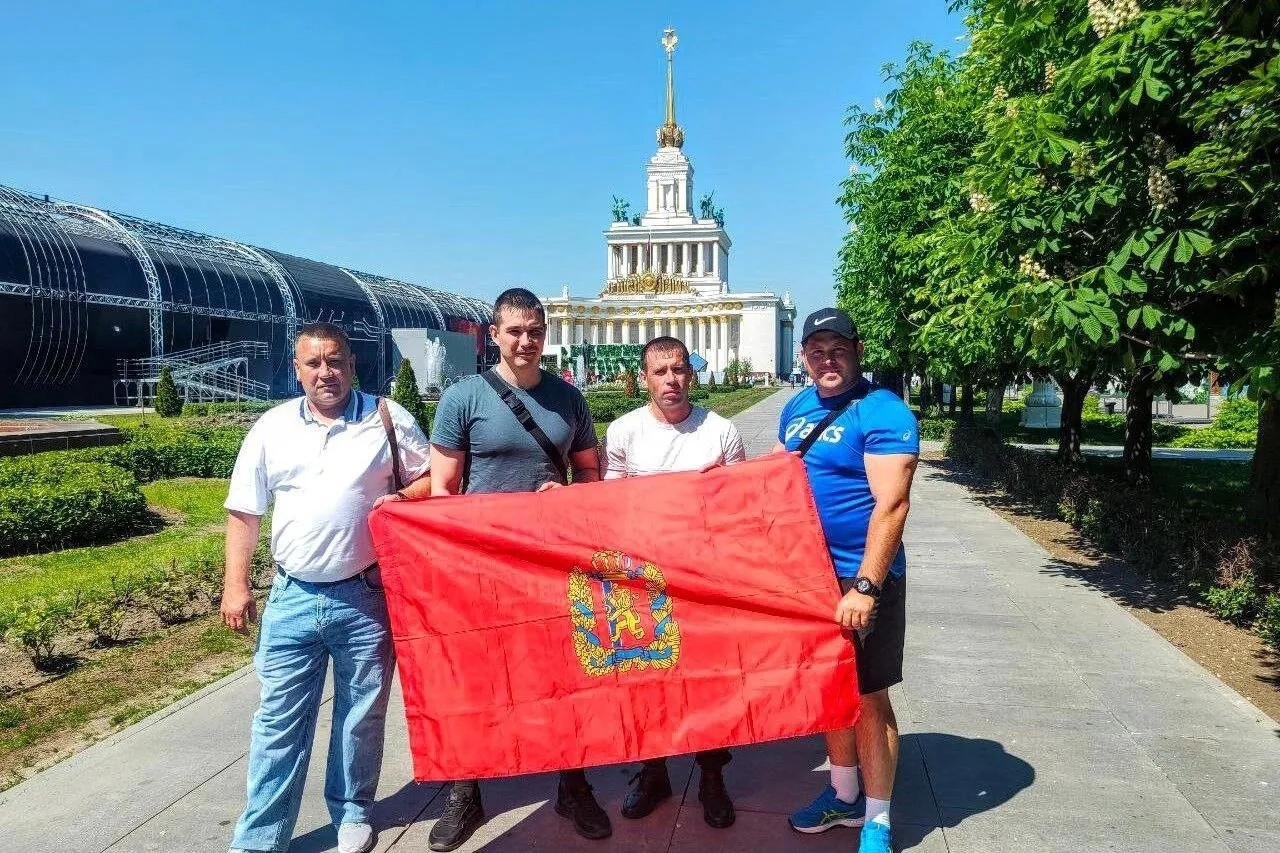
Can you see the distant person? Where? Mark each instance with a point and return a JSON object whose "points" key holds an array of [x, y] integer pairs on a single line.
{"points": [[480, 446], [861, 454], [324, 461], [672, 434]]}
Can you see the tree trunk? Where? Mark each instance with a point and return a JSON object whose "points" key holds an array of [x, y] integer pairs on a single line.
{"points": [[1264, 488], [966, 404], [951, 407], [995, 403], [926, 395], [1074, 390], [1137, 431]]}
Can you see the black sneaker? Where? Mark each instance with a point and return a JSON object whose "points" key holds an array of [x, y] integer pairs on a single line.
{"points": [[717, 808], [652, 785], [463, 814], [576, 802]]}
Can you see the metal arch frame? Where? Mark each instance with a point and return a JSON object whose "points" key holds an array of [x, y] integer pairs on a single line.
{"points": [[285, 282], [278, 273], [382, 323], [398, 289], [155, 317], [15, 289]]}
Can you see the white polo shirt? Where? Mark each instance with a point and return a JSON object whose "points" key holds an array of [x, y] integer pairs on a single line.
{"points": [[323, 481], [638, 444]]}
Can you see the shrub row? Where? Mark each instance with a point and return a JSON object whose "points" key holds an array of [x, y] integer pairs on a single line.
{"points": [[204, 410], [47, 504], [1212, 557], [49, 630], [152, 453]]}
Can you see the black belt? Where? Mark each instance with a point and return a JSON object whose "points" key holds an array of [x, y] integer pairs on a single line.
{"points": [[360, 575]]}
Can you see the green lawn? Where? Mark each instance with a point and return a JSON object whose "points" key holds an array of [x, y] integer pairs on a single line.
{"points": [[198, 537]]}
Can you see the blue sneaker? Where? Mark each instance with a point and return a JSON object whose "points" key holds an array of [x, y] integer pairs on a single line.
{"points": [[875, 838], [828, 811]]}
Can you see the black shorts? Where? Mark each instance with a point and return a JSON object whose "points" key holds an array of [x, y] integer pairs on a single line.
{"points": [[879, 651]]}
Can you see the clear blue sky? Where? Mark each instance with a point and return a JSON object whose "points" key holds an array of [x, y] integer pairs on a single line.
{"points": [[470, 145]]}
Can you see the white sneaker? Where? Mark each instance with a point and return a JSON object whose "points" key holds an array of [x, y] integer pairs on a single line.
{"points": [[355, 838]]}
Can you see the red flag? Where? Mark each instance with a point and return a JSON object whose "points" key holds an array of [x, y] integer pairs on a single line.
{"points": [[607, 622]]}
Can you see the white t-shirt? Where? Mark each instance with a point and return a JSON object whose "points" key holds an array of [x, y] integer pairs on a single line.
{"points": [[638, 444], [323, 481]]}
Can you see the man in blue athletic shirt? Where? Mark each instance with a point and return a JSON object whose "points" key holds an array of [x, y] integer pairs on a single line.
{"points": [[860, 471]]}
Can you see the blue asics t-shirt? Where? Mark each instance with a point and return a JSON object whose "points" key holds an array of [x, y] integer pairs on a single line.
{"points": [[879, 423]]}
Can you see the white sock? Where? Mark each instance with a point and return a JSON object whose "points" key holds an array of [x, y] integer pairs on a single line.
{"points": [[878, 811], [845, 781]]}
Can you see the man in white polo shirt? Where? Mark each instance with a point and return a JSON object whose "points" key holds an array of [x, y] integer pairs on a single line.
{"points": [[672, 434], [325, 461]]}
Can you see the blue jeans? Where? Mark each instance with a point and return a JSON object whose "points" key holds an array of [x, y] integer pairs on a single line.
{"points": [[303, 625]]}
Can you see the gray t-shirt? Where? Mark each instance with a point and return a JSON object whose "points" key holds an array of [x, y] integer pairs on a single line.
{"points": [[503, 456]]}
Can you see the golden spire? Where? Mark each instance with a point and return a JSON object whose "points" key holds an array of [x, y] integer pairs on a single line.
{"points": [[670, 135]]}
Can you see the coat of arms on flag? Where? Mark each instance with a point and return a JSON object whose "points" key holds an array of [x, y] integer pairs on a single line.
{"points": [[613, 579]]}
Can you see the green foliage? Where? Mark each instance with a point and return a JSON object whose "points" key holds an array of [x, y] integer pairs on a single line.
{"points": [[405, 392], [167, 402], [47, 503], [1268, 622], [711, 383], [1237, 602], [606, 406], [156, 452], [35, 626], [1237, 415], [936, 429], [629, 386], [252, 407], [1235, 426], [1076, 195]]}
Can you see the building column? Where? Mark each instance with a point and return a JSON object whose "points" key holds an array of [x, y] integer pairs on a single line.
{"points": [[688, 333], [608, 331], [653, 256], [684, 260], [715, 260], [566, 329]]}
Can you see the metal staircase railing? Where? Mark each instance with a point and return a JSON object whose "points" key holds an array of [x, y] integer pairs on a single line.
{"points": [[211, 373]]}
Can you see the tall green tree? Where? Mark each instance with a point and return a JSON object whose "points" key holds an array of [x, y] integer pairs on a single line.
{"points": [[405, 392], [168, 403]]}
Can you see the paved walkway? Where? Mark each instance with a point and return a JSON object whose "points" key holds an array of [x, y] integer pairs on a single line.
{"points": [[1037, 715]]}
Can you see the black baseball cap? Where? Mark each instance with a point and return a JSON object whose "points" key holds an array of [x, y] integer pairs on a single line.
{"points": [[829, 320]]}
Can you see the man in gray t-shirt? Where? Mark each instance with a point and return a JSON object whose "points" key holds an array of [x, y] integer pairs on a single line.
{"points": [[503, 457], [478, 446]]}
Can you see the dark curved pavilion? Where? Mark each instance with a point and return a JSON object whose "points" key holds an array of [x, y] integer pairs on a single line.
{"points": [[93, 303]]}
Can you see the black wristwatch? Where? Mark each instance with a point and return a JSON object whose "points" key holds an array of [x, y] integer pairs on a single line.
{"points": [[866, 587]]}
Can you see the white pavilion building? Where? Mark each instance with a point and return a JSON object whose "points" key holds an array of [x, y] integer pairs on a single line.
{"points": [[667, 273]]}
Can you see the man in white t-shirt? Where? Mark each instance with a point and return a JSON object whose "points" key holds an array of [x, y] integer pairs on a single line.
{"points": [[672, 434]]}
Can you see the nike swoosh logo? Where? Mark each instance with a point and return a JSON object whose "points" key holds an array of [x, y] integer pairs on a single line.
{"points": [[824, 320]]}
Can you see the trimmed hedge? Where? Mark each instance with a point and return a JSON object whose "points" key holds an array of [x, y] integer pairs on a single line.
{"points": [[204, 410], [1235, 426], [46, 503], [159, 453]]}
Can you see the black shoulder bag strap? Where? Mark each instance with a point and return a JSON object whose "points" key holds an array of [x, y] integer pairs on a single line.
{"points": [[390, 430], [526, 420], [812, 437]]}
